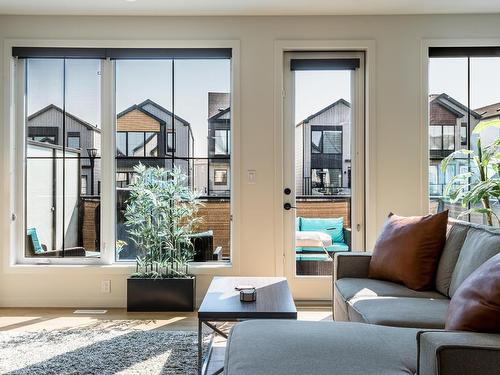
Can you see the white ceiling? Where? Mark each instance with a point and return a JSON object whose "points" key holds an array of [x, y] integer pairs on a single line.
{"points": [[246, 7]]}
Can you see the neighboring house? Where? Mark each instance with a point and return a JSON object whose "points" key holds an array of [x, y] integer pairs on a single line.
{"points": [[490, 112], [46, 126], [323, 151], [219, 144], [448, 132], [155, 135]]}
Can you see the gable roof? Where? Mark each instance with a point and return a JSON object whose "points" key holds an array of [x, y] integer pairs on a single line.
{"points": [[340, 101], [488, 111], [71, 116], [442, 98], [137, 107], [219, 114], [163, 109]]}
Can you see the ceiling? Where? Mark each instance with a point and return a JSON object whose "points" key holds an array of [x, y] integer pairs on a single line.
{"points": [[245, 7]]}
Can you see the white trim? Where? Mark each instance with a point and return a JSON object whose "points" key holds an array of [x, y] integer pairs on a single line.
{"points": [[282, 46], [424, 104], [12, 263]]}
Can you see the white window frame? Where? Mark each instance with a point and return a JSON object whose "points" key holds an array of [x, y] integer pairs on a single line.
{"points": [[12, 167], [424, 104]]}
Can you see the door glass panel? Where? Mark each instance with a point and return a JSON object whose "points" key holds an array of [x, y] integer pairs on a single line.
{"points": [[322, 121]]}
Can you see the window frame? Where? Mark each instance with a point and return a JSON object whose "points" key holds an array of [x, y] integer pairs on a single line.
{"points": [[322, 141], [74, 135], [442, 136], [224, 182], [14, 86]]}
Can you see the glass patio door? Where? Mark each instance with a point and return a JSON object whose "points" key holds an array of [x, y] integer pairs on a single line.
{"points": [[323, 190]]}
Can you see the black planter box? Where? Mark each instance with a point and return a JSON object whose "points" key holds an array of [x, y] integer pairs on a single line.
{"points": [[161, 294]]}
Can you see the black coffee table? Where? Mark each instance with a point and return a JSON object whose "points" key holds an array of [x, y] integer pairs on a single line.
{"points": [[222, 304]]}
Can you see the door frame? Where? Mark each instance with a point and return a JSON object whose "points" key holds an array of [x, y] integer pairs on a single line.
{"points": [[281, 47]]}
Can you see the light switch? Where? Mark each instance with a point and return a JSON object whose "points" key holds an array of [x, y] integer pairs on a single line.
{"points": [[252, 176]]}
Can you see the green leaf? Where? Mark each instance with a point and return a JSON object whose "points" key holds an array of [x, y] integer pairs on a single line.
{"points": [[486, 125]]}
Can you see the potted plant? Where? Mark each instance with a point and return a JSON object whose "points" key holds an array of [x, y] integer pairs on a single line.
{"points": [[478, 190], [160, 216]]}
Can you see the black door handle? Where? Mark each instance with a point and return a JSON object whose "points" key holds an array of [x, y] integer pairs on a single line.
{"points": [[288, 206]]}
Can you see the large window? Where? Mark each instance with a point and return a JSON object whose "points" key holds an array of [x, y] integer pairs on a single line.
{"points": [[173, 110], [62, 203], [175, 113], [463, 96]]}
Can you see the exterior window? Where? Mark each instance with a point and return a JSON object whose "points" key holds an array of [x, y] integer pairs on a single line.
{"points": [[463, 134], [220, 177], [73, 140], [326, 179], [222, 142], [448, 138], [43, 134], [326, 141], [170, 142], [442, 137]]}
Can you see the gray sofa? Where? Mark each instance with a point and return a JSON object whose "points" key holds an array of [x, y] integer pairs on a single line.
{"points": [[387, 328]]}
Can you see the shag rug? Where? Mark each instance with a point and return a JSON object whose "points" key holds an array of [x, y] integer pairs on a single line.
{"points": [[99, 351]]}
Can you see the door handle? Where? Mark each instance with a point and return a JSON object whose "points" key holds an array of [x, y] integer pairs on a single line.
{"points": [[288, 206]]}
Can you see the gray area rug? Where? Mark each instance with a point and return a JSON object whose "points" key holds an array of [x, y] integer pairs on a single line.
{"points": [[98, 351]]}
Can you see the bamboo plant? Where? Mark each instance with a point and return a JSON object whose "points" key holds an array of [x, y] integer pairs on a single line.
{"points": [[478, 190], [160, 216]]}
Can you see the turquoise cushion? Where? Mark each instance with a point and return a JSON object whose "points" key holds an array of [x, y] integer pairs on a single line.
{"points": [[312, 257], [334, 227], [297, 223], [336, 247], [33, 236]]}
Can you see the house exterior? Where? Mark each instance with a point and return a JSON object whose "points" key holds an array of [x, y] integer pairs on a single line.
{"points": [[219, 144], [46, 126], [153, 135], [488, 113], [323, 151], [448, 131]]}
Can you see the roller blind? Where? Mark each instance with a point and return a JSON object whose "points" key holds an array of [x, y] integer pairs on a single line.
{"points": [[121, 53], [324, 64], [464, 51]]}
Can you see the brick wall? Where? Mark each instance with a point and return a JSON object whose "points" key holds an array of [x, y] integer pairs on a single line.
{"points": [[440, 115], [216, 217], [137, 121], [88, 224]]}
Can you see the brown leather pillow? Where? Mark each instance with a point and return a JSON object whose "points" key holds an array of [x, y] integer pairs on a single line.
{"points": [[475, 306], [408, 250]]}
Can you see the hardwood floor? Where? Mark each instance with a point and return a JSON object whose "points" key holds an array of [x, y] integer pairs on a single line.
{"points": [[37, 319]]}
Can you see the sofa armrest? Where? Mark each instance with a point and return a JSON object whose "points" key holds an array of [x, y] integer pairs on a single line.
{"points": [[217, 253], [351, 265], [453, 352]]}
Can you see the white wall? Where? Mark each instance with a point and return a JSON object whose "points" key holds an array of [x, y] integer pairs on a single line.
{"points": [[398, 152]]}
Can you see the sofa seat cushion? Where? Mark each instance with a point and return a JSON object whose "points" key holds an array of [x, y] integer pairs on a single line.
{"points": [[351, 288], [298, 347], [399, 311]]}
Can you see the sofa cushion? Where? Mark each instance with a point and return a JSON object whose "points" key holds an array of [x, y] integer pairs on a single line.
{"points": [[408, 250], [476, 303], [298, 347], [350, 288], [334, 227], [480, 245], [399, 311], [455, 236]]}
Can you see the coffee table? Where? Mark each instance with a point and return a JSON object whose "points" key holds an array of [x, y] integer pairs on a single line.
{"points": [[222, 304]]}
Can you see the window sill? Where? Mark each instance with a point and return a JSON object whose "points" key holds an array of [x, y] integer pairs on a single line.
{"points": [[125, 268]]}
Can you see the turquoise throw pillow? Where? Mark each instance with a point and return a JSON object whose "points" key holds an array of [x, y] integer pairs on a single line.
{"points": [[297, 224], [334, 227], [33, 236]]}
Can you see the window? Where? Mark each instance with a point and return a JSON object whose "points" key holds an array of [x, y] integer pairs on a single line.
{"points": [[63, 160], [463, 134], [220, 177], [73, 140], [59, 214], [442, 137], [221, 142], [161, 121], [461, 98], [326, 141], [326, 179]]}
